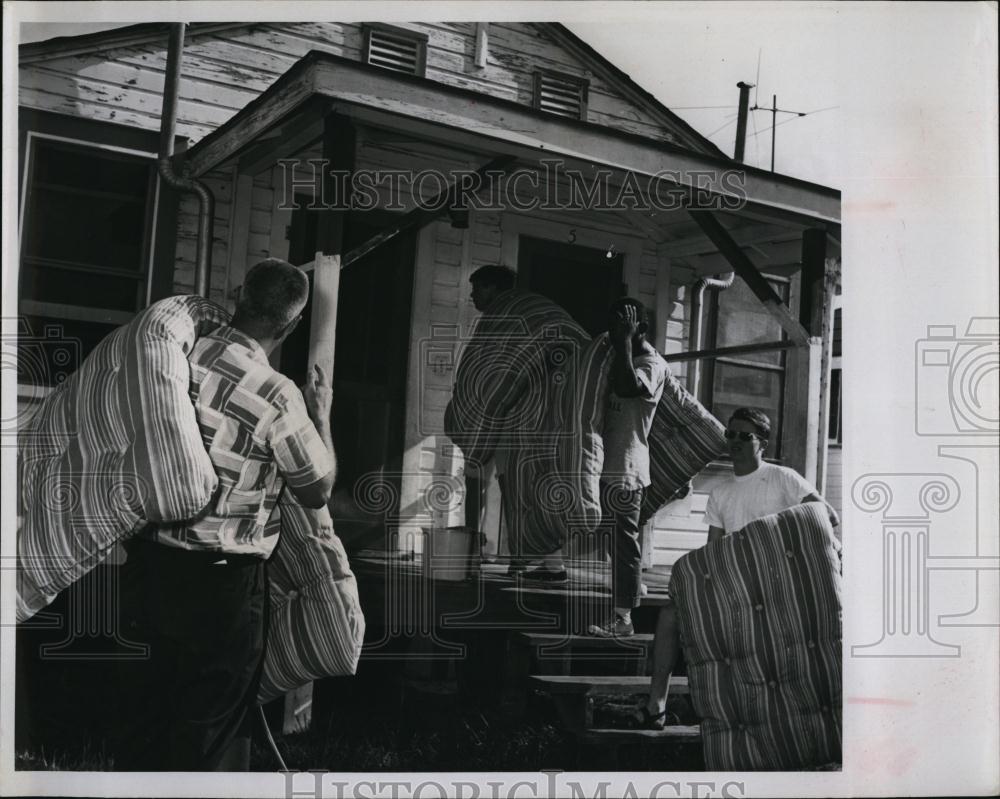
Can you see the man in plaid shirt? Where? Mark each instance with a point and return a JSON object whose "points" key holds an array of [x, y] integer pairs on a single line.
{"points": [[197, 591]]}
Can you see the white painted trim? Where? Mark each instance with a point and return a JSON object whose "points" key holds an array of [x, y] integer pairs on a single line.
{"points": [[80, 313], [152, 241], [661, 312], [420, 328], [281, 217], [513, 226], [33, 392]]}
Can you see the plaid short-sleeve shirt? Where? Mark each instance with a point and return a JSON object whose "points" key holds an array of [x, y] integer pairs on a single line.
{"points": [[258, 435]]}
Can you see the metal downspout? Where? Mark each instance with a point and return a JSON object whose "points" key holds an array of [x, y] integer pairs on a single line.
{"points": [[697, 305], [183, 182]]}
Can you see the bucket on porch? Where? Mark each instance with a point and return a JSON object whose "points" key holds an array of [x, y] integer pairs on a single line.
{"points": [[452, 553]]}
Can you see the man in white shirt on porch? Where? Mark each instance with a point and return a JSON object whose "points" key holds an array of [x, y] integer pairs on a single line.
{"points": [[757, 489]]}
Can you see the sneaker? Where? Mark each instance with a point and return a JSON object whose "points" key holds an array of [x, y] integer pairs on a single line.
{"points": [[544, 575], [617, 627], [515, 568]]}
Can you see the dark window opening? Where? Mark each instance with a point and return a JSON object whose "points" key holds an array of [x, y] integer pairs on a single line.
{"points": [[85, 247]]}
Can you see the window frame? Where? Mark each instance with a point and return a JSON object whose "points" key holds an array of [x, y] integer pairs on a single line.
{"points": [[160, 216], [144, 282], [706, 387]]}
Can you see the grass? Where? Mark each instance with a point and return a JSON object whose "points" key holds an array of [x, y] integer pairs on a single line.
{"points": [[415, 732]]}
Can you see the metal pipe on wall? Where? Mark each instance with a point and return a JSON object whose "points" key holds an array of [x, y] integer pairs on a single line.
{"points": [[165, 162], [697, 306]]}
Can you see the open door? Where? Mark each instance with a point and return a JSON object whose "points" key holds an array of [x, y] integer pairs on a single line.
{"points": [[583, 280], [369, 378]]}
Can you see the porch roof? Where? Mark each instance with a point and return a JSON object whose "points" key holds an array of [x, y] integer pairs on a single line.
{"points": [[289, 115]]}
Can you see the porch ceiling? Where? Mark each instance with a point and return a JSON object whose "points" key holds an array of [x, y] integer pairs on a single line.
{"points": [[290, 113]]}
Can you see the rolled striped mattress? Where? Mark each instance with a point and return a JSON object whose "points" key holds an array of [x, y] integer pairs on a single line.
{"points": [[760, 621], [532, 382], [117, 446]]}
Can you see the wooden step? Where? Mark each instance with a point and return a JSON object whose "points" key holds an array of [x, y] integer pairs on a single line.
{"points": [[578, 698], [559, 641], [597, 684], [682, 733]]}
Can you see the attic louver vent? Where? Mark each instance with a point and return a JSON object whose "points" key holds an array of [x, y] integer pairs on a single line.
{"points": [[561, 94], [396, 50]]}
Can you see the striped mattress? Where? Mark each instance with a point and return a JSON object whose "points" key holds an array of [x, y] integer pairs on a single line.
{"points": [[760, 621], [117, 446], [533, 384]]}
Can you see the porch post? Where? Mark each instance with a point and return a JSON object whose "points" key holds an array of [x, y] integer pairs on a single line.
{"points": [[816, 316], [338, 151]]}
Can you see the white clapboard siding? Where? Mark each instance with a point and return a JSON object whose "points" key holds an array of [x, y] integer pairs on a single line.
{"points": [[835, 479], [679, 528], [224, 69]]}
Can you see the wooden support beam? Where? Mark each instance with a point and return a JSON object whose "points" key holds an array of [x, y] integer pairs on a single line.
{"points": [[722, 352], [289, 140], [744, 236], [745, 268], [811, 306], [419, 217]]}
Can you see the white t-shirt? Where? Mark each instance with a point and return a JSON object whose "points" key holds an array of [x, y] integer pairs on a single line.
{"points": [[769, 489], [627, 423]]}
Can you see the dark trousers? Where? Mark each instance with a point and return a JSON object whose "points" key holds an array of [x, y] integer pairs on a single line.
{"points": [[190, 706], [620, 525]]}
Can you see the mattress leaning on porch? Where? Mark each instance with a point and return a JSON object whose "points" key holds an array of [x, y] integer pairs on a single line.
{"points": [[760, 621], [532, 384], [117, 446]]}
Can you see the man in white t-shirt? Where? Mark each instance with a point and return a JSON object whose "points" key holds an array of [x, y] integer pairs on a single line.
{"points": [[757, 489]]}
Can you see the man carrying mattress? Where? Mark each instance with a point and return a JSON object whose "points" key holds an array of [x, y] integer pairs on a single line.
{"points": [[638, 374], [757, 489], [196, 592]]}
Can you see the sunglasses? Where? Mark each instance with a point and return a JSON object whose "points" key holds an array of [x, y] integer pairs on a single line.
{"points": [[731, 434]]}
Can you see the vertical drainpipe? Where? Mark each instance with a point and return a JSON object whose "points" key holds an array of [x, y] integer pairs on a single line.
{"points": [[716, 283], [183, 182], [697, 307]]}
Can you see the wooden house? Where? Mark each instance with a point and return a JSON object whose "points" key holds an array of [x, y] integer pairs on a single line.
{"points": [[261, 104]]}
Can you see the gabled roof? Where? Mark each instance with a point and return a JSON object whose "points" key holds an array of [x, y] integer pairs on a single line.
{"points": [[689, 136], [146, 32]]}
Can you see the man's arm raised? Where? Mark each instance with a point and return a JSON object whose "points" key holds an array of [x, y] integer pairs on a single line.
{"points": [[318, 396]]}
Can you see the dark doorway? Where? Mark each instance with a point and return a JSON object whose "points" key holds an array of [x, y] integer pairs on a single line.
{"points": [[373, 333], [583, 280]]}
